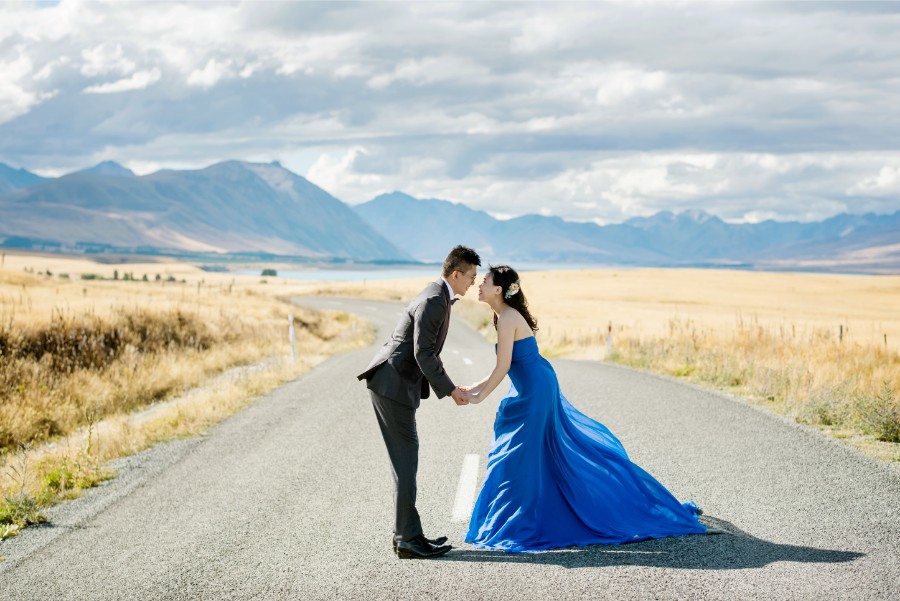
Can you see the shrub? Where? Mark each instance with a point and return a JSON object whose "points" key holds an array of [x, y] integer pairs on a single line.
{"points": [[826, 407], [879, 414], [39, 392]]}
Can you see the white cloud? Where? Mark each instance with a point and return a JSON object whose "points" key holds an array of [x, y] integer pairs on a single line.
{"points": [[308, 54], [105, 58], [886, 182], [758, 216], [545, 32], [15, 96], [623, 84], [45, 24], [248, 70], [738, 187], [51, 67], [210, 75], [138, 81], [430, 70], [336, 174]]}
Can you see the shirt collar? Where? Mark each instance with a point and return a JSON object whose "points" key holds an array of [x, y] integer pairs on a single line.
{"points": [[449, 288]]}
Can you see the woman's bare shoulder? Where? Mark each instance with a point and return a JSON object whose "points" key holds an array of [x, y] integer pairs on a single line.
{"points": [[512, 317]]}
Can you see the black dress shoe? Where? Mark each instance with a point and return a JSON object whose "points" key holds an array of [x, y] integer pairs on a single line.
{"points": [[437, 542], [420, 548]]}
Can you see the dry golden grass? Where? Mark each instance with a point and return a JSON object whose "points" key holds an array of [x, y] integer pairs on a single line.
{"points": [[78, 357], [823, 348], [33, 297]]}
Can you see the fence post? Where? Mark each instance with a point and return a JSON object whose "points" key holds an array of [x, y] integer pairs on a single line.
{"points": [[293, 338], [609, 337]]}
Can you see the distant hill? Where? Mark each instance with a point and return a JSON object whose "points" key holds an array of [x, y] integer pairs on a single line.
{"points": [[410, 223], [15, 179], [109, 168], [229, 207], [426, 228]]}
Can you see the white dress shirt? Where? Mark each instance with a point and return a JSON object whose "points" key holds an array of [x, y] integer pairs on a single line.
{"points": [[449, 288]]}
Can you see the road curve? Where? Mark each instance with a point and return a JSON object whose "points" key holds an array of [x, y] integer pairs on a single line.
{"points": [[291, 499]]}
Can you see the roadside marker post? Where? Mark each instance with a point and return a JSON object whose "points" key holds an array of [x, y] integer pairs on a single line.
{"points": [[293, 337]]}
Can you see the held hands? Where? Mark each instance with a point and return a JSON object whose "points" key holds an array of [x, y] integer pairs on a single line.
{"points": [[464, 395], [460, 397]]}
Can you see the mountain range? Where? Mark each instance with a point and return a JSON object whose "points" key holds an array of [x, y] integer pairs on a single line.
{"points": [[13, 179], [239, 208], [868, 243], [229, 207]]}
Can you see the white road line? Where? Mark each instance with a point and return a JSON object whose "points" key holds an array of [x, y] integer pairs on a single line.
{"points": [[465, 492], [467, 361]]}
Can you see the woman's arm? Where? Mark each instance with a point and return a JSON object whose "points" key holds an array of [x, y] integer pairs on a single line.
{"points": [[506, 333], [476, 387]]}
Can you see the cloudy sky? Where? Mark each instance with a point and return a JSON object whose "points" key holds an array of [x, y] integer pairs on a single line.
{"points": [[587, 111]]}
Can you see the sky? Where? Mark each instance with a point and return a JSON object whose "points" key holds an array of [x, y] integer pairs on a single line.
{"points": [[587, 111]]}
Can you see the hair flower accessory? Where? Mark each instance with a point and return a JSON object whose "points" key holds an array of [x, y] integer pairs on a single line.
{"points": [[512, 290]]}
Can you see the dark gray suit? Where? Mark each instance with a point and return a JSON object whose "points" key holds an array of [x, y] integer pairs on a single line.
{"points": [[398, 378]]}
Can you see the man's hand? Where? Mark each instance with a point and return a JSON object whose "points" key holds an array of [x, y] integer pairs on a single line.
{"points": [[461, 398]]}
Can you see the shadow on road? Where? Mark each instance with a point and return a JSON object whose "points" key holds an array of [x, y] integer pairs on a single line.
{"points": [[732, 550]]}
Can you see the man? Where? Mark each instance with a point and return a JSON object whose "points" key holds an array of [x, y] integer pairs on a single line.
{"points": [[399, 377]]}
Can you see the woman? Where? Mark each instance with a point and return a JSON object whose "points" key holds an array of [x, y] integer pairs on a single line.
{"points": [[556, 478]]}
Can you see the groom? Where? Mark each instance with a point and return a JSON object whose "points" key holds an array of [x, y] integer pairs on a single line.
{"points": [[399, 377]]}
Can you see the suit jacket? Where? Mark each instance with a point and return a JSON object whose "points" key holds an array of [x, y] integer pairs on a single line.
{"points": [[409, 363]]}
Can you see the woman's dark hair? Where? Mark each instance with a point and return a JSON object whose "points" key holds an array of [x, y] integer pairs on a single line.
{"points": [[505, 276]]}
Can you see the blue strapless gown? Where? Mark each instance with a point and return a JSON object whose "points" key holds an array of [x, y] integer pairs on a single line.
{"points": [[556, 478]]}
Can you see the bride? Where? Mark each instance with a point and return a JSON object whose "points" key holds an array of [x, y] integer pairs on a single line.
{"points": [[555, 477]]}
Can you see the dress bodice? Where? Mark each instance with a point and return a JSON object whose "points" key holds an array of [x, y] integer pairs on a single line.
{"points": [[525, 350], [525, 356]]}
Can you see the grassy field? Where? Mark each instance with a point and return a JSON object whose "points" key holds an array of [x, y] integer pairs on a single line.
{"points": [[822, 348], [81, 360]]}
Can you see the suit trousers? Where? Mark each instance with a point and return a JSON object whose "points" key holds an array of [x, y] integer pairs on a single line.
{"points": [[398, 428]]}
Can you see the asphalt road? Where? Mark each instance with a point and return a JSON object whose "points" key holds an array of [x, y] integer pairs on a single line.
{"points": [[291, 499]]}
